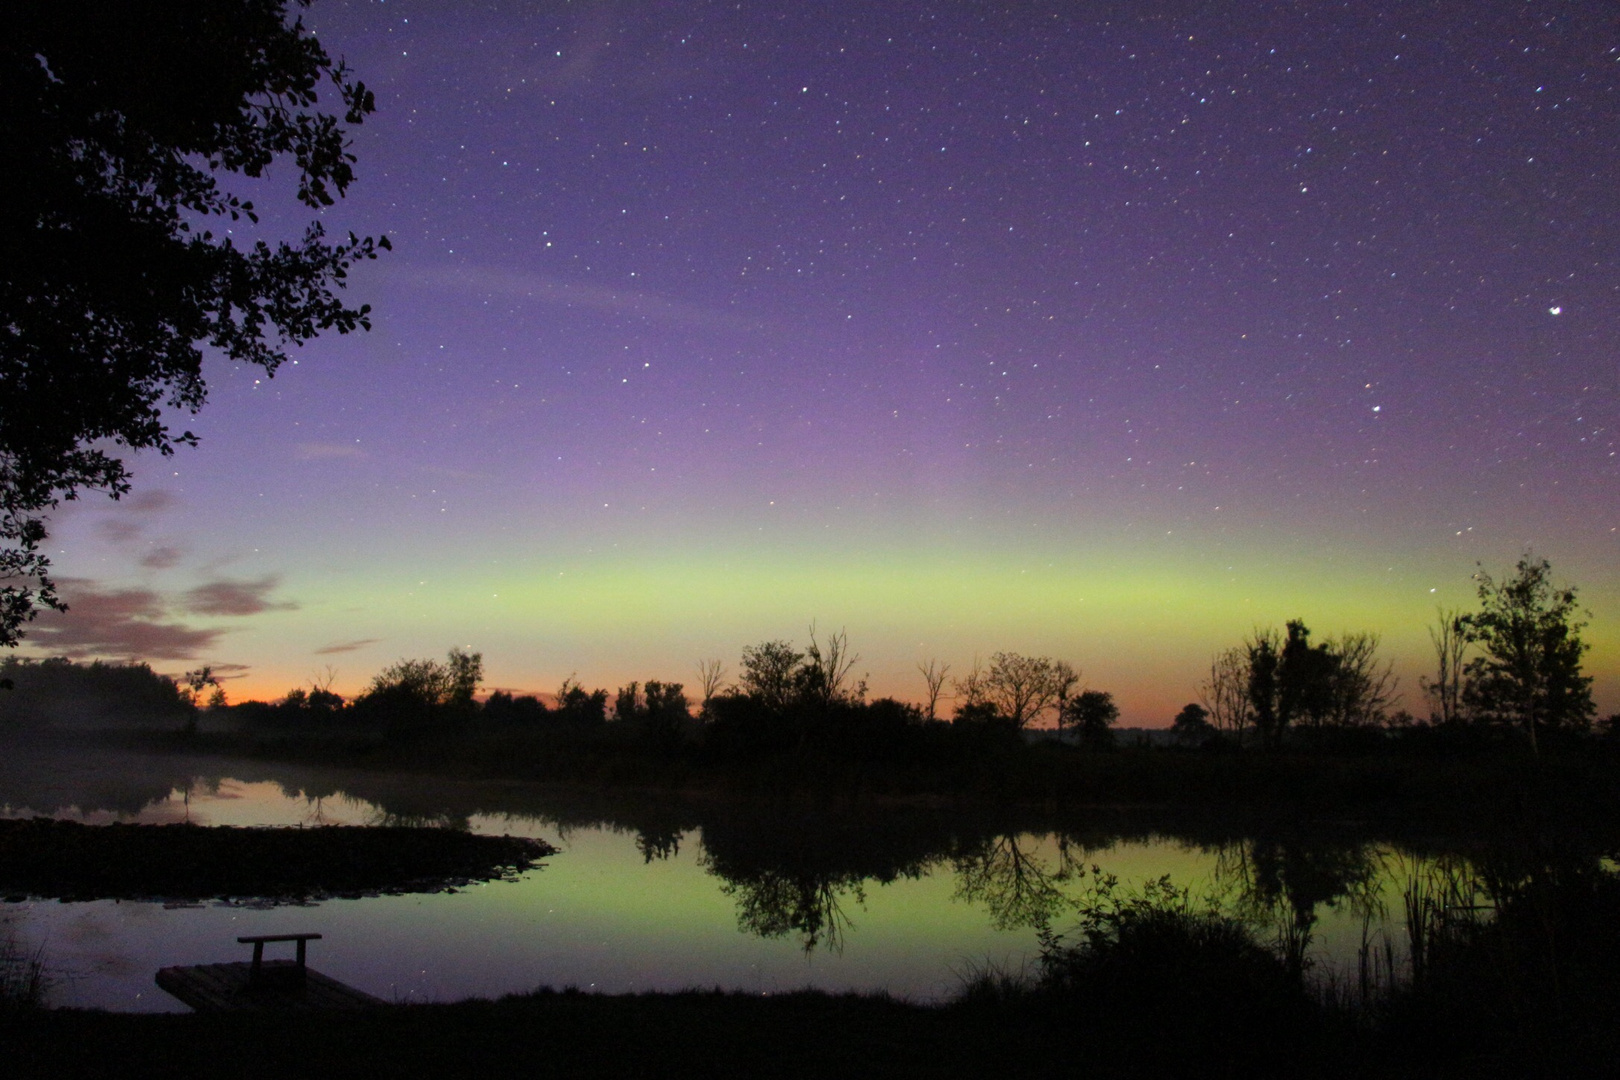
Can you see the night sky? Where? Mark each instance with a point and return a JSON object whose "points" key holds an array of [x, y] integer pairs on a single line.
{"points": [[1102, 331]]}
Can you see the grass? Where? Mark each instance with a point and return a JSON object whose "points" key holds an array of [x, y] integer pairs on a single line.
{"points": [[695, 1033], [23, 978]]}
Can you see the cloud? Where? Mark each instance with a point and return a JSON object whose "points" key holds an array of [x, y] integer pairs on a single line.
{"points": [[346, 646], [150, 502], [226, 597], [453, 474], [327, 451], [116, 622], [124, 527], [161, 558], [119, 532], [523, 285]]}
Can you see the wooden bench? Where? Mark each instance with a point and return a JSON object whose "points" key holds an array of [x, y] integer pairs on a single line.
{"points": [[280, 975], [262, 985]]}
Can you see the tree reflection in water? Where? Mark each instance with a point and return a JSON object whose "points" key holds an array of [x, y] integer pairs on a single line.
{"points": [[1014, 881], [774, 904], [801, 871], [1023, 880], [800, 874], [1282, 883], [659, 842]]}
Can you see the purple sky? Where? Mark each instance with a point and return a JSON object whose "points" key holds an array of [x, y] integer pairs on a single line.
{"points": [[1052, 327]]}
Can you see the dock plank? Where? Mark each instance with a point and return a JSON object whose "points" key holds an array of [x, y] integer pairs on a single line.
{"points": [[228, 988]]}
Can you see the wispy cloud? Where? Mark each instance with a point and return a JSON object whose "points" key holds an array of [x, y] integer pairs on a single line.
{"points": [[124, 623], [161, 558], [225, 597], [453, 474], [541, 289], [327, 451], [118, 531], [149, 501], [138, 623], [126, 525], [346, 646]]}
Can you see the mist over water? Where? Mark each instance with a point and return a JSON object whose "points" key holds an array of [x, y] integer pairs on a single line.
{"points": [[661, 893]]}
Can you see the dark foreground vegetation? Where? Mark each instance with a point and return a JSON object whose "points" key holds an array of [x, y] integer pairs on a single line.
{"points": [[65, 860], [1148, 986], [696, 1034], [1517, 951]]}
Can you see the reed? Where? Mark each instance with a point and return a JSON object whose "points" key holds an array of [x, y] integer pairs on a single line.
{"points": [[23, 977], [988, 983], [1440, 906]]}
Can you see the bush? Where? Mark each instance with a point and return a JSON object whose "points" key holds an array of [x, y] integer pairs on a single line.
{"points": [[502, 708], [1532, 986], [420, 697], [1186, 977]]}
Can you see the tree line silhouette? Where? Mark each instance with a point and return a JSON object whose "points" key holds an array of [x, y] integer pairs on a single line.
{"points": [[1510, 671], [1514, 664]]}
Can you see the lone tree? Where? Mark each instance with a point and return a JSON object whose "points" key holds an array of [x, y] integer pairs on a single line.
{"points": [[1528, 672], [711, 674], [1291, 681], [824, 677], [1225, 694], [768, 673], [119, 120], [933, 674], [1191, 727], [1092, 714]]}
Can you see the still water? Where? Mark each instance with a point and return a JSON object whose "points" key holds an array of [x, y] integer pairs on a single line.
{"points": [[652, 897]]}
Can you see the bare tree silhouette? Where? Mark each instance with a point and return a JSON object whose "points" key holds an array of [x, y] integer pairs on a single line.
{"points": [[933, 673]]}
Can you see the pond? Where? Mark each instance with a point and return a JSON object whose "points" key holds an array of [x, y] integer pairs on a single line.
{"points": [[663, 894]]}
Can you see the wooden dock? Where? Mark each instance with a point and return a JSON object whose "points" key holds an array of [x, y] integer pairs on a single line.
{"points": [[261, 985]]}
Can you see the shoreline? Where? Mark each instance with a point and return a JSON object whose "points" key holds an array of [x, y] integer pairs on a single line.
{"points": [[41, 858]]}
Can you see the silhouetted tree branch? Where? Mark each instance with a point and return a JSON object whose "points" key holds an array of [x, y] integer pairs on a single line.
{"points": [[933, 674], [1450, 638], [118, 121], [1529, 672]]}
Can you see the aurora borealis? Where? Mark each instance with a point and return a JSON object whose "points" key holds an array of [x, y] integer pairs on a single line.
{"points": [[1104, 331]]}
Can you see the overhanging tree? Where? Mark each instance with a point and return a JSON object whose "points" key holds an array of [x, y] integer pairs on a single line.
{"points": [[119, 121]]}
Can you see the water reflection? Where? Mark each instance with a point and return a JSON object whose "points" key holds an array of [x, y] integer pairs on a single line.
{"points": [[1285, 884], [800, 875], [659, 842], [1010, 876], [950, 885]]}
